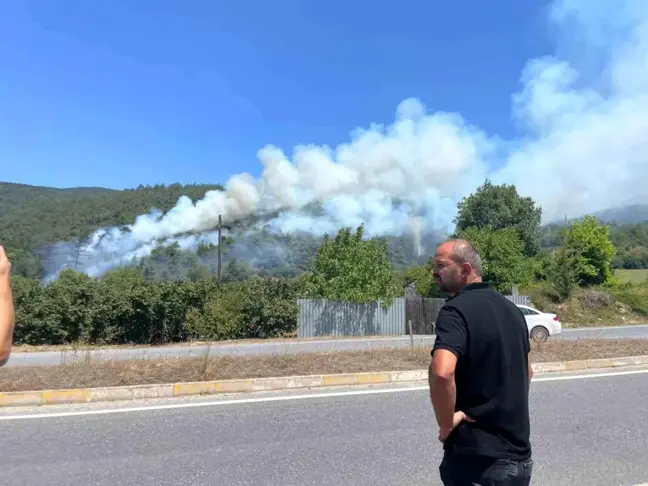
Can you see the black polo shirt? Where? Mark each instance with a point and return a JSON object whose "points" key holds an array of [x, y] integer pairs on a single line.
{"points": [[489, 336]]}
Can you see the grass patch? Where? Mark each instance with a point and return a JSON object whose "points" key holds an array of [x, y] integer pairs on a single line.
{"points": [[621, 305], [631, 276], [633, 296], [90, 373]]}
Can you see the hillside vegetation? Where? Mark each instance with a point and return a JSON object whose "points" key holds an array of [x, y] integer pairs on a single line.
{"points": [[31, 217], [173, 295]]}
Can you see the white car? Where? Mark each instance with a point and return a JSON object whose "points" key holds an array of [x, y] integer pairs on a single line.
{"points": [[541, 325]]}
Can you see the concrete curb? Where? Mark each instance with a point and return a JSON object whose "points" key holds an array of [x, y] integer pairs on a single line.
{"points": [[170, 390], [590, 364]]}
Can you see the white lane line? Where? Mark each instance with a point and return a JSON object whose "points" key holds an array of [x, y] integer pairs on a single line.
{"points": [[590, 375], [216, 403], [285, 398]]}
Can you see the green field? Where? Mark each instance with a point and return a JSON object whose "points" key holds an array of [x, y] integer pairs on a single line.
{"points": [[632, 276]]}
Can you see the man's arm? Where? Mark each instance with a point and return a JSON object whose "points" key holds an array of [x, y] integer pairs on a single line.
{"points": [[528, 341], [443, 390], [449, 346], [7, 313], [530, 371]]}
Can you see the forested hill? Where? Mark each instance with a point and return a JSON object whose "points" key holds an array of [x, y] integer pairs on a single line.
{"points": [[33, 217], [636, 213]]}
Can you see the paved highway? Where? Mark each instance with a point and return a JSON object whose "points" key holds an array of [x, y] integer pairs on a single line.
{"points": [[283, 347], [586, 432]]}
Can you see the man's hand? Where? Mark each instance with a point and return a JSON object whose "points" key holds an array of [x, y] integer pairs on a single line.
{"points": [[456, 420], [5, 265], [7, 313]]}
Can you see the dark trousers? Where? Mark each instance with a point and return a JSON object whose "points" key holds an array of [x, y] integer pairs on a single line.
{"points": [[484, 471]]}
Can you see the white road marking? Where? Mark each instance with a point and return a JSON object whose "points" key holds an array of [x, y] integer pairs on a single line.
{"points": [[283, 398], [215, 403], [590, 375]]}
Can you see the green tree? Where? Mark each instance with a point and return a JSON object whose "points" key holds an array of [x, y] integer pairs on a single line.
{"points": [[589, 240], [71, 301], [271, 308], [236, 270], [562, 272], [33, 324], [257, 308], [502, 256], [221, 317], [24, 263], [421, 277], [500, 207], [350, 268]]}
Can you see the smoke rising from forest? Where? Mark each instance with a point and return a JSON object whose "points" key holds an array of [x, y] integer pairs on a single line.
{"points": [[584, 148]]}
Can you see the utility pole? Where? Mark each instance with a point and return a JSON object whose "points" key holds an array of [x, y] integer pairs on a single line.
{"points": [[78, 247], [220, 226]]}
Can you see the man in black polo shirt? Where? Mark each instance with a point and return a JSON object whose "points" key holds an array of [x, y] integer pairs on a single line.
{"points": [[479, 376]]}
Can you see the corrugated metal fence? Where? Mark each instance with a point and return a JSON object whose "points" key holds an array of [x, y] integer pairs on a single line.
{"points": [[518, 299], [321, 317]]}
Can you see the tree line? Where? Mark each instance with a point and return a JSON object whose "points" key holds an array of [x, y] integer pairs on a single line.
{"points": [[174, 296], [123, 306], [34, 219]]}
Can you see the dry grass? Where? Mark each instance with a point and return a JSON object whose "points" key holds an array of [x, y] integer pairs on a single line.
{"points": [[569, 350], [89, 373], [593, 307]]}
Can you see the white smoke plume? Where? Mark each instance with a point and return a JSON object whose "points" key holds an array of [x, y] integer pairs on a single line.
{"points": [[415, 229], [584, 112]]}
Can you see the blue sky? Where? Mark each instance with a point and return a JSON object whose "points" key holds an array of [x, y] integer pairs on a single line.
{"points": [[118, 93]]}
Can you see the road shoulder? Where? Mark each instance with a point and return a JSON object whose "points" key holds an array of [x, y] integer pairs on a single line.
{"points": [[261, 397], [279, 384]]}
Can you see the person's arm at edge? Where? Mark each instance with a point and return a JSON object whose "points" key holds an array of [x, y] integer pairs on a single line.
{"points": [[449, 344], [528, 340], [530, 371], [7, 311], [529, 363]]}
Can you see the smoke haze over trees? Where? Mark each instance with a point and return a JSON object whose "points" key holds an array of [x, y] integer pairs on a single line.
{"points": [[581, 150]]}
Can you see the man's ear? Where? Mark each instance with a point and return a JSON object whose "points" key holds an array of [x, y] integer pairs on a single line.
{"points": [[466, 269]]}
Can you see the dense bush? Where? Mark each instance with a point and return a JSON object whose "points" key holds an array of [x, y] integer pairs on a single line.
{"points": [[123, 307], [257, 308]]}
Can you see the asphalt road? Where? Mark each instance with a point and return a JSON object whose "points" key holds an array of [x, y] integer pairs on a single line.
{"points": [[586, 432], [282, 347]]}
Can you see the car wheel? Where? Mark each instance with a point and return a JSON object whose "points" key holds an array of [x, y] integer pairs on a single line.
{"points": [[539, 333]]}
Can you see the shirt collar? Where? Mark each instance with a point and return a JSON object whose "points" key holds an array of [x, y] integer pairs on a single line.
{"points": [[472, 286], [476, 286]]}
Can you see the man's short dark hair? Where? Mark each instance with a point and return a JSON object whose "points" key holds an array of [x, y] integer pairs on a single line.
{"points": [[464, 252]]}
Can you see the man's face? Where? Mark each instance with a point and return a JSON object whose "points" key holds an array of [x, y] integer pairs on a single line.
{"points": [[446, 272]]}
